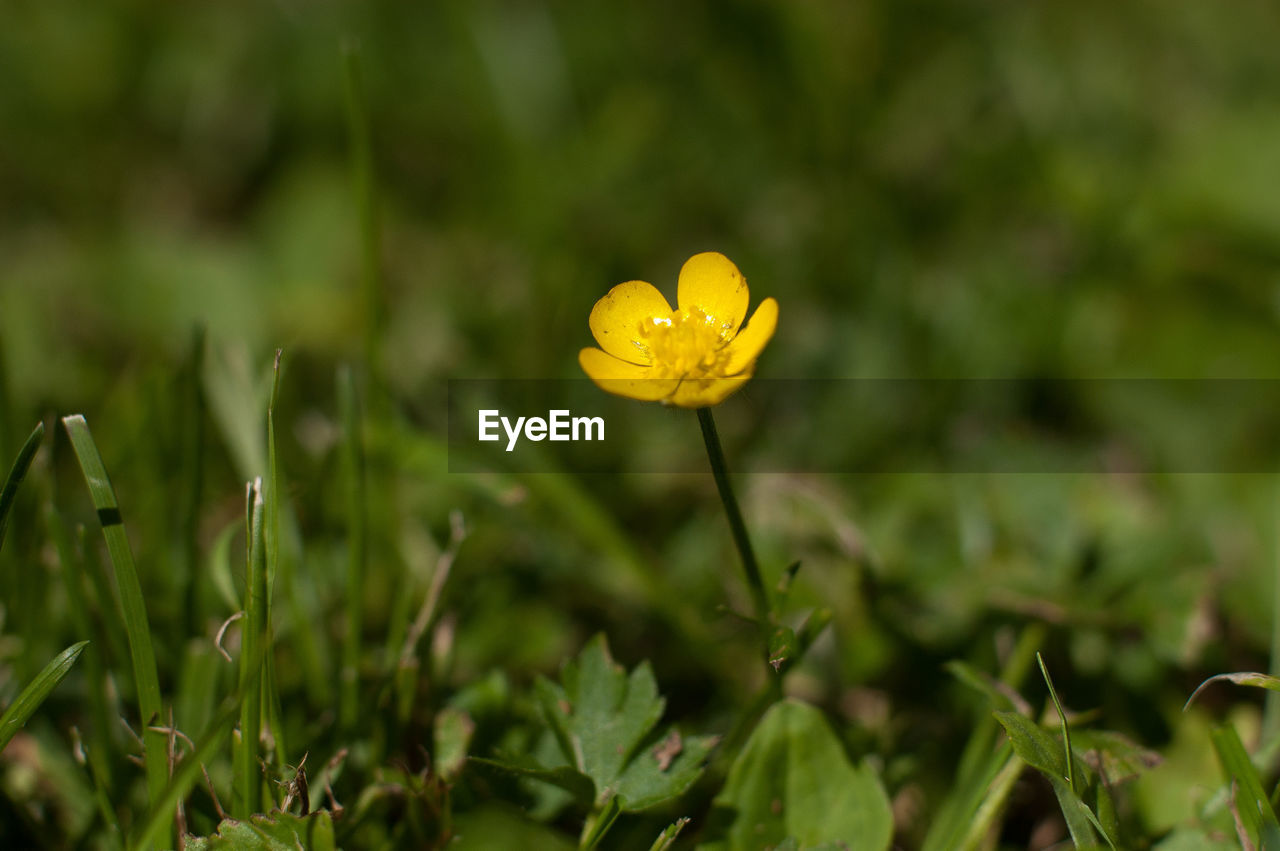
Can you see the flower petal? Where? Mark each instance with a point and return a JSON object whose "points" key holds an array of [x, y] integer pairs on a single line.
{"points": [[711, 283], [705, 392], [615, 320], [625, 379], [751, 340]]}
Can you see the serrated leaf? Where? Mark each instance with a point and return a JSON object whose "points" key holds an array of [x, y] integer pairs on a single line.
{"points": [[656, 775], [278, 832], [570, 779], [793, 780], [604, 721], [548, 800]]}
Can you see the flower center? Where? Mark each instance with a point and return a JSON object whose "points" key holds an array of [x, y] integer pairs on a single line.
{"points": [[685, 344]]}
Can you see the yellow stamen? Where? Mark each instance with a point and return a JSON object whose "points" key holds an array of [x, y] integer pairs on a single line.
{"points": [[686, 344]]}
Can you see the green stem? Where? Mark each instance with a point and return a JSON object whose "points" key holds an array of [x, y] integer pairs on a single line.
{"points": [[721, 472]]}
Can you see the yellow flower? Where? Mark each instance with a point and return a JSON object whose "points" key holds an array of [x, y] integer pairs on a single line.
{"points": [[693, 356]]}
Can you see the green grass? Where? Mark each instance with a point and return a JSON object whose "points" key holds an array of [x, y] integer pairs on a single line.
{"points": [[577, 757], [255, 644], [388, 196]]}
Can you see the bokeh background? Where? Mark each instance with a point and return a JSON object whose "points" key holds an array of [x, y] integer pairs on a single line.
{"points": [[934, 189]]}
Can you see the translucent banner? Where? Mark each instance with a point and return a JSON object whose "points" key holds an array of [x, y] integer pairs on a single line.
{"points": [[877, 426]]}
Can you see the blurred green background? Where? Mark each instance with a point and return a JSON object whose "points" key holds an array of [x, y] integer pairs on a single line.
{"points": [[930, 189]]}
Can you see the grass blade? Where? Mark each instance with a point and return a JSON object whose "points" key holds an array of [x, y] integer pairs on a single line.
{"points": [[1004, 769], [26, 703], [16, 474], [136, 625], [1062, 719], [598, 824], [236, 400], [1250, 800], [1240, 678], [668, 837], [248, 774], [271, 542], [272, 529]]}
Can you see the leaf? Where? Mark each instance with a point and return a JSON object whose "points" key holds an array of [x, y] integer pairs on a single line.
{"points": [[647, 783], [1249, 799], [604, 721], [1081, 822], [26, 703], [1064, 726], [1036, 747], [569, 779], [1241, 678], [278, 832], [794, 780], [255, 634], [132, 602]]}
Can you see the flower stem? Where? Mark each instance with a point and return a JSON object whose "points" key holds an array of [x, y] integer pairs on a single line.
{"points": [[721, 472]]}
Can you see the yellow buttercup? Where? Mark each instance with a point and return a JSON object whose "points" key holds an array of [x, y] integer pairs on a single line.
{"points": [[693, 356]]}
